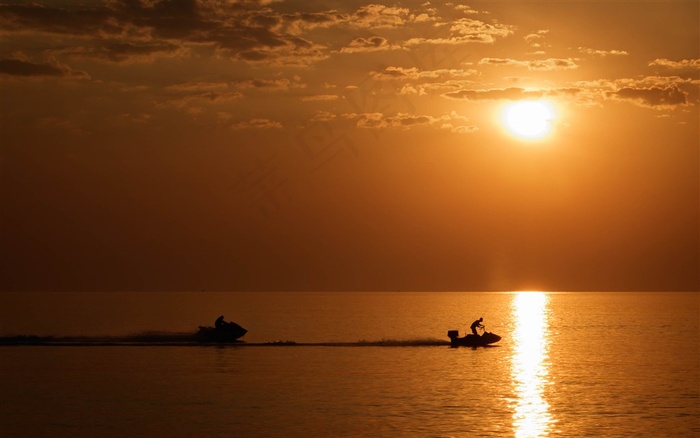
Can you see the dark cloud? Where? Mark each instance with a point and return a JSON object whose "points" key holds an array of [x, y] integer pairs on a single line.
{"points": [[298, 22], [120, 30], [654, 97], [72, 21], [376, 16], [537, 64], [369, 44], [414, 73], [192, 95], [565, 91], [657, 92], [125, 51], [465, 31], [405, 121], [251, 31], [275, 84], [495, 94], [513, 93], [257, 124], [166, 18], [18, 67]]}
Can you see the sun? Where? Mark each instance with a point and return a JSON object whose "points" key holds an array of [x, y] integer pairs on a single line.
{"points": [[529, 119]]}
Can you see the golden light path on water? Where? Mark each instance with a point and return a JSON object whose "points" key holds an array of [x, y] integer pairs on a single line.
{"points": [[530, 367]]}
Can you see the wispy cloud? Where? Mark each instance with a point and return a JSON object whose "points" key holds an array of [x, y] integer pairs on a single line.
{"points": [[261, 123], [676, 65], [119, 51], [320, 98], [378, 16], [536, 40], [126, 30], [656, 92], [413, 73], [274, 84], [24, 68], [192, 96], [494, 94], [654, 97], [512, 93], [453, 121], [369, 44], [255, 32], [603, 53], [548, 64], [468, 30]]}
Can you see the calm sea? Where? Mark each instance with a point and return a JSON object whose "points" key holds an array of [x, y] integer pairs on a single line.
{"points": [[569, 364]]}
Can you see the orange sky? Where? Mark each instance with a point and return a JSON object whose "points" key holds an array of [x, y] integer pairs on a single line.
{"points": [[327, 145]]}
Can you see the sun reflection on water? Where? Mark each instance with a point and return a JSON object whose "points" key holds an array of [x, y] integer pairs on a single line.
{"points": [[530, 367]]}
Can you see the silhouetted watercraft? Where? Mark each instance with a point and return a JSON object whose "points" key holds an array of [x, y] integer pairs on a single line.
{"points": [[229, 332], [472, 340]]}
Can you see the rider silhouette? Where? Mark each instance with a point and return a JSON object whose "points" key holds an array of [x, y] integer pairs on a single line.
{"points": [[476, 324], [220, 323]]}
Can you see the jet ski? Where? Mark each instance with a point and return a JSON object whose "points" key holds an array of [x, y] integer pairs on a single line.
{"points": [[472, 340], [227, 332]]}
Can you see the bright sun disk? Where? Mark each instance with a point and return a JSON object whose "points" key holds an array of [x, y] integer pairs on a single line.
{"points": [[529, 119]]}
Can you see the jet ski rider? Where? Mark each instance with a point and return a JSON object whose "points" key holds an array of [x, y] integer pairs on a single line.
{"points": [[476, 324]]}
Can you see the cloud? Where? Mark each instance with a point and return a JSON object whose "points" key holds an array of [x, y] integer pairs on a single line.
{"points": [[125, 51], [371, 16], [320, 98], [654, 81], [19, 67], [602, 53], [552, 64], [257, 124], [299, 22], [405, 121], [494, 94], [69, 21], [191, 95], [467, 30], [254, 32], [378, 16], [199, 87], [549, 64], [126, 30], [409, 89], [465, 9], [413, 73], [435, 87], [512, 93], [654, 97], [276, 84], [535, 39], [460, 129], [502, 61], [657, 92], [423, 18], [469, 26], [693, 64], [323, 116], [371, 44], [60, 124]]}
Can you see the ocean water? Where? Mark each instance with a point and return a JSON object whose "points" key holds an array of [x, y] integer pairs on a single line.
{"points": [[569, 364]]}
